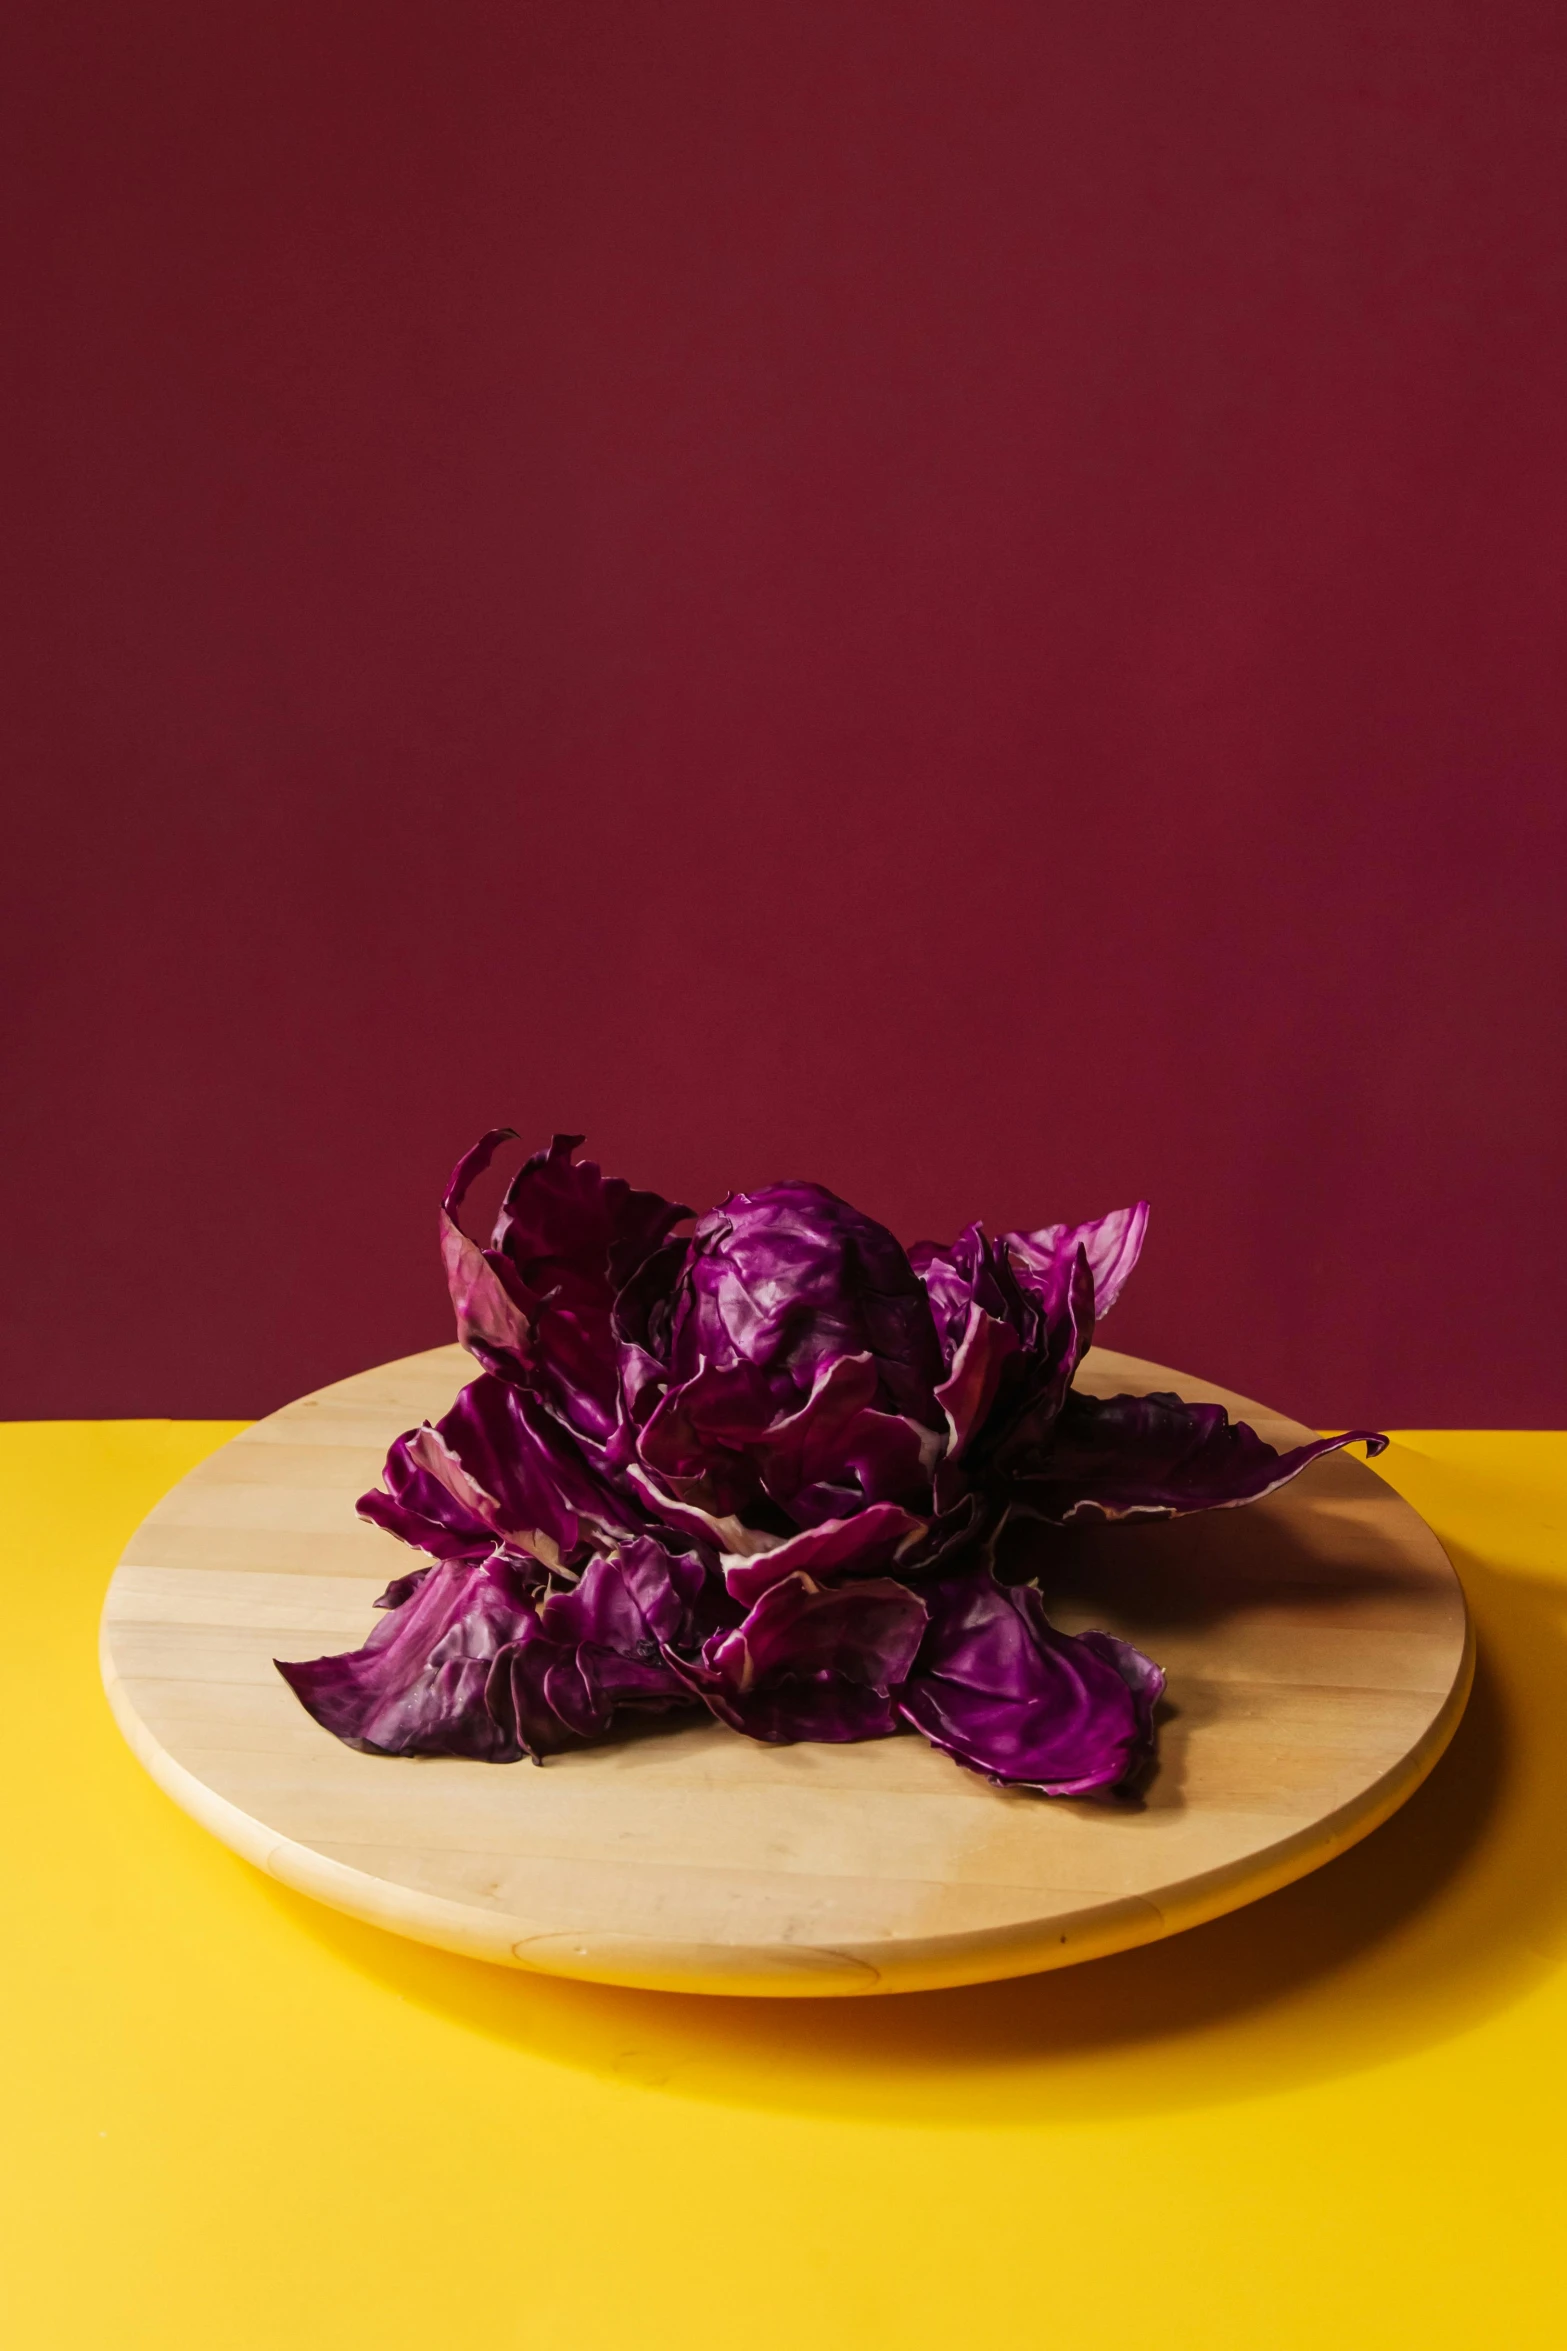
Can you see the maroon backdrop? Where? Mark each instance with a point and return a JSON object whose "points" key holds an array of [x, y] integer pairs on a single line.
{"points": [[966, 600]]}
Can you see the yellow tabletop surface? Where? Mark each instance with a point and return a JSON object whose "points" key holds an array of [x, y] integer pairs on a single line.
{"points": [[235, 2119]]}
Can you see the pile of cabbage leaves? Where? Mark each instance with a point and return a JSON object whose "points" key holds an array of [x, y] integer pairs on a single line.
{"points": [[764, 1466]]}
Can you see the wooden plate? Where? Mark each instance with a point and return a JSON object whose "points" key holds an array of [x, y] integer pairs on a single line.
{"points": [[1318, 1655]]}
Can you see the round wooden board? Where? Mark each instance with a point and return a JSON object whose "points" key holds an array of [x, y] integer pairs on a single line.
{"points": [[1318, 1654]]}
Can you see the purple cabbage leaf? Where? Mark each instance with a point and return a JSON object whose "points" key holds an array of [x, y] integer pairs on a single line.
{"points": [[1157, 1456], [1000, 1690]]}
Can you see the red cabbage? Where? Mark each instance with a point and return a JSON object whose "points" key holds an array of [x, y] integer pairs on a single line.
{"points": [[763, 1467]]}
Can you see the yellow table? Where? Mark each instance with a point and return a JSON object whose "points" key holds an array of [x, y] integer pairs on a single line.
{"points": [[236, 2120]]}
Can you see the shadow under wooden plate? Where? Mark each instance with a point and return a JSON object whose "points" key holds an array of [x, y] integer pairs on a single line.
{"points": [[1318, 1657]]}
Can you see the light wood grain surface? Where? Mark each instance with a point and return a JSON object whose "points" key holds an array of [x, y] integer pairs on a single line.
{"points": [[1317, 1649]]}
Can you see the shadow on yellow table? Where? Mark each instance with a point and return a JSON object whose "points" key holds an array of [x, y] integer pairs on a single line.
{"points": [[1332, 2116]]}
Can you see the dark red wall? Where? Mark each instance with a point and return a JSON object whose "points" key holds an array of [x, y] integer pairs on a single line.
{"points": [[963, 599]]}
